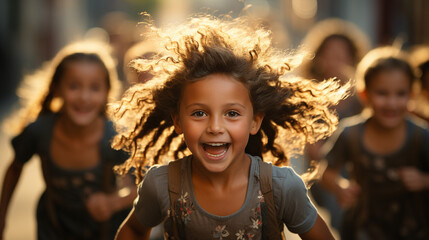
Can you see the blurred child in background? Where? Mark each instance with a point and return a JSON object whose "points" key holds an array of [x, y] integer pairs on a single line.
{"points": [[64, 123], [419, 58], [337, 46], [388, 192]]}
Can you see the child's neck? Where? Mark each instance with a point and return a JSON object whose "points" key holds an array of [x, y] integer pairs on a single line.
{"points": [[381, 140], [239, 169], [73, 130], [222, 193]]}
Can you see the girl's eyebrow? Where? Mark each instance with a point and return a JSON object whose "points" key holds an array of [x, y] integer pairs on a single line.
{"points": [[205, 105], [235, 104]]}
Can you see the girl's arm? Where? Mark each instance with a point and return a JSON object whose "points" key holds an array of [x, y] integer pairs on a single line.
{"points": [[10, 180], [131, 229], [344, 190], [319, 231], [414, 179], [102, 206]]}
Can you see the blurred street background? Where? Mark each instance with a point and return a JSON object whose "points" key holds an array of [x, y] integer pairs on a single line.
{"points": [[32, 31]]}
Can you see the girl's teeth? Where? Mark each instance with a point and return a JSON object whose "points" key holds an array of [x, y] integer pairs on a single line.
{"points": [[215, 144], [217, 155], [215, 149]]}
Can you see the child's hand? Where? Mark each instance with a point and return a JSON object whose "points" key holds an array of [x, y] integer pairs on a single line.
{"points": [[99, 206], [347, 195], [413, 179]]}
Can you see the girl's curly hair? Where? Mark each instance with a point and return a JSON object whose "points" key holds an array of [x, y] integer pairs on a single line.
{"points": [[295, 110]]}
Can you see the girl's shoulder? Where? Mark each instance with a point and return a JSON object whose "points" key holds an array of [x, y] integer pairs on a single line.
{"points": [[347, 125], [286, 179], [418, 128], [417, 124], [291, 201], [283, 178], [157, 171], [39, 128], [43, 122], [160, 171]]}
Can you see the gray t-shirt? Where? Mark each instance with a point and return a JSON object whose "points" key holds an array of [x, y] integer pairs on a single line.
{"points": [[290, 196]]}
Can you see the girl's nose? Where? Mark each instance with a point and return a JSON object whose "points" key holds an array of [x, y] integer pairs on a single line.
{"points": [[85, 94], [393, 101], [215, 125]]}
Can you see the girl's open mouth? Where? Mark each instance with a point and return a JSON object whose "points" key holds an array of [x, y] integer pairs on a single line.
{"points": [[215, 150]]}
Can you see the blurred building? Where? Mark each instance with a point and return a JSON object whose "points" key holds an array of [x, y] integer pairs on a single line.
{"points": [[33, 30]]}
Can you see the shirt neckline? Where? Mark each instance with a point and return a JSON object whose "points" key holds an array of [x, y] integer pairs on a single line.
{"points": [[248, 192]]}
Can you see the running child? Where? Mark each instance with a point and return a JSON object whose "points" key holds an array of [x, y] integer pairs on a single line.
{"points": [[387, 155], [221, 104], [66, 126]]}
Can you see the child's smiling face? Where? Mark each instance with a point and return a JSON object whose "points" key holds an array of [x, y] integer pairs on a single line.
{"points": [[388, 94], [216, 117], [83, 88]]}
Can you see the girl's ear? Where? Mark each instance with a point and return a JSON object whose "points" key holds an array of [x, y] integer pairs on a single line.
{"points": [[256, 123], [176, 123]]}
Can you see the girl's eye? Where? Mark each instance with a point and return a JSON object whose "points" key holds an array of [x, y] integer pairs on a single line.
{"points": [[232, 114], [381, 93], [95, 88], [198, 114], [73, 86], [402, 93]]}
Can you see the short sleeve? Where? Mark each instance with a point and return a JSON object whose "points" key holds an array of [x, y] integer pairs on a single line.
{"points": [[25, 144], [152, 201], [292, 202]]}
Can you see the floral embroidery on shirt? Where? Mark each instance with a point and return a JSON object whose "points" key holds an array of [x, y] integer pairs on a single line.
{"points": [[250, 236], [256, 218], [240, 234], [220, 232], [256, 223], [261, 197], [185, 207]]}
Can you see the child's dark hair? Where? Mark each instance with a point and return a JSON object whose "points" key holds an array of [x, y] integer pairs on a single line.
{"points": [[388, 64], [295, 110], [36, 91], [382, 59]]}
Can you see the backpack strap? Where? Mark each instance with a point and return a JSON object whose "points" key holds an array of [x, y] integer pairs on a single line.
{"points": [[271, 229], [174, 191]]}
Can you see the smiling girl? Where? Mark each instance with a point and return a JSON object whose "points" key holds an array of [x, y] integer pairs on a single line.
{"points": [[221, 104], [71, 135], [389, 189]]}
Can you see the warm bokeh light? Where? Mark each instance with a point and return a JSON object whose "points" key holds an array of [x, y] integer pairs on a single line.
{"points": [[305, 9]]}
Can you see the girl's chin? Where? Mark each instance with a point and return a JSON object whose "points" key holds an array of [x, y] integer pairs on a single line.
{"points": [[391, 122], [214, 168], [83, 119]]}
